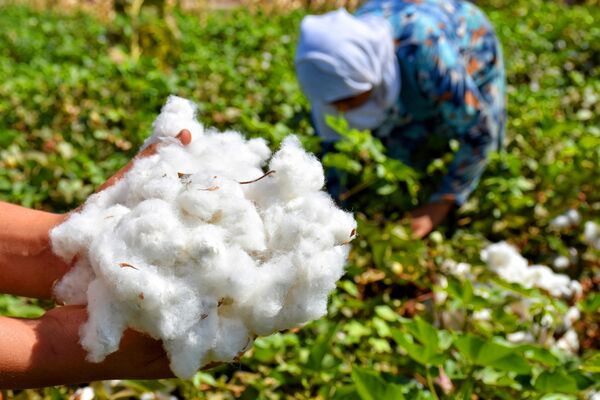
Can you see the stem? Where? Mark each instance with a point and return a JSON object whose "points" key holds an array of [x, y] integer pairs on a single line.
{"points": [[358, 188], [430, 385], [466, 389], [258, 179]]}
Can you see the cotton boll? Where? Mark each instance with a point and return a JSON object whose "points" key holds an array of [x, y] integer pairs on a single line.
{"points": [[561, 262], [591, 233], [297, 172], [506, 261], [153, 229], [76, 233], [576, 288], [573, 315], [71, 289], [284, 225], [260, 148], [152, 179], [313, 216], [502, 254], [86, 393], [482, 315], [64, 237], [233, 276], [317, 273], [570, 219], [198, 247], [573, 255], [167, 307], [232, 338], [177, 114], [102, 332], [593, 395], [205, 242], [569, 342], [520, 337], [560, 222], [240, 218], [440, 296], [461, 270], [189, 351], [275, 278], [574, 217]]}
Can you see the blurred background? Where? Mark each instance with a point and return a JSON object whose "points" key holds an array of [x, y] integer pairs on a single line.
{"points": [[82, 81]]}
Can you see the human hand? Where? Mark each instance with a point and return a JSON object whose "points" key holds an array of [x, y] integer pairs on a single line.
{"points": [[46, 351], [428, 216], [28, 267]]}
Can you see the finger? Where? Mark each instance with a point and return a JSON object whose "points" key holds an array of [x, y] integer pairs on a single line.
{"points": [[185, 137], [148, 151]]}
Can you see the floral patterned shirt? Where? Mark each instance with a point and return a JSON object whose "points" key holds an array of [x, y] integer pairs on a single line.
{"points": [[452, 86]]}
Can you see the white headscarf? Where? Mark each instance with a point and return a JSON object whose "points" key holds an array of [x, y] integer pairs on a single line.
{"points": [[341, 56]]}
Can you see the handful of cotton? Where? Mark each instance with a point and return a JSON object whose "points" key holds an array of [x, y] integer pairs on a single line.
{"points": [[202, 248]]}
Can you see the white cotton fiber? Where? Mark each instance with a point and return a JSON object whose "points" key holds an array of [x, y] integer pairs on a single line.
{"points": [[561, 262], [570, 219], [511, 266], [204, 246], [591, 234], [176, 114], [569, 342]]}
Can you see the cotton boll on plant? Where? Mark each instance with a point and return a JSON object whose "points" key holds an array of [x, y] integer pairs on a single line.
{"points": [[570, 219], [561, 262], [204, 246], [591, 233], [511, 266], [569, 342]]}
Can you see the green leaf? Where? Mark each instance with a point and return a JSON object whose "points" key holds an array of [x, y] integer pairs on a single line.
{"points": [[413, 350], [592, 364], [342, 162], [425, 333], [469, 347], [387, 313], [488, 353], [321, 347], [591, 304], [555, 381], [346, 393], [511, 363], [540, 355], [370, 386]]}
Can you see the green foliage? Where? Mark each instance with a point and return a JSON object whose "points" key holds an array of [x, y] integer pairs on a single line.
{"points": [[76, 102]]}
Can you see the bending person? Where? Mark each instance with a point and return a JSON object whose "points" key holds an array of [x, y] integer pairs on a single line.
{"points": [[418, 74]]}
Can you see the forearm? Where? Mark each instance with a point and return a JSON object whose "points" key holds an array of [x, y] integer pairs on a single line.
{"points": [[46, 352], [27, 265]]}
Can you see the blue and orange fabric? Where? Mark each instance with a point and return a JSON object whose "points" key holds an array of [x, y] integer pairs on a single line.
{"points": [[452, 87]]}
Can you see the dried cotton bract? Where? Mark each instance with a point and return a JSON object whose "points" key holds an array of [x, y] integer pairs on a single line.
{"points": [[191, 248]]}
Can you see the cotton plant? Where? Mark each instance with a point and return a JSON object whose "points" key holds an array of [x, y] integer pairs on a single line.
{"points": [[510, 265], [505, 260], [204, 246], [545, 317]]}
